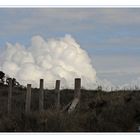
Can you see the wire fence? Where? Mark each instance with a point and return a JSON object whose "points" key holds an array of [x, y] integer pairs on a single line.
{"points": [[28, 98]]}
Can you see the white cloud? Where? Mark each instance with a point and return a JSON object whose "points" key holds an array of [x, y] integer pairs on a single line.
{"points": [[51, 60]]}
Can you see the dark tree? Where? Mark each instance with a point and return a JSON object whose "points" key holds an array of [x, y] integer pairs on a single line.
{"points": [[14, 82], [99, 88], [7, 80], [2, 76]]}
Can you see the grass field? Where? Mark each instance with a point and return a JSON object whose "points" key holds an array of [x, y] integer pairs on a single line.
{"points": [[98, 111]]}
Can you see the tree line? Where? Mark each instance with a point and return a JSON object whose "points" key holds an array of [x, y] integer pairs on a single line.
{"points": [[4, 80]]}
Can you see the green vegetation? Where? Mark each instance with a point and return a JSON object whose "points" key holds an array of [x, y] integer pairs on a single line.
{"points": [[98, 111]]}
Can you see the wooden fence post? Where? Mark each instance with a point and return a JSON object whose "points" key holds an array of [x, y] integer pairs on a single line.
{"points": [[41, 96], [10, 96], [28, 99], [57, 91], [77, 88], [77, 94]]}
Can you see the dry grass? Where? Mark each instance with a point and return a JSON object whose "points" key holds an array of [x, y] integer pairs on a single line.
{"points": [[97, 112]]}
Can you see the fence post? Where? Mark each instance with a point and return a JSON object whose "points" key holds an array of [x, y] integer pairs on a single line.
{"points": [[10, 96], [77, 94], [28, 99], [41, 96], [77, 88], [57, 91]]}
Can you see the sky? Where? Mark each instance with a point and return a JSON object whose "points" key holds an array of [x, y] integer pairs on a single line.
{"points": [[110, 36]]}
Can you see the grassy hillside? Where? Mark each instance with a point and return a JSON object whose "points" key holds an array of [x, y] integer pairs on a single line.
{"points": [[97, 111]]}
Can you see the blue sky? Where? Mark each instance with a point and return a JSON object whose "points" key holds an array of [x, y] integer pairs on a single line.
{"points": [[111, 36]]}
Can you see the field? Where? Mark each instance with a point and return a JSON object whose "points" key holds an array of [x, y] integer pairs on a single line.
{"points": [[98, 111]]}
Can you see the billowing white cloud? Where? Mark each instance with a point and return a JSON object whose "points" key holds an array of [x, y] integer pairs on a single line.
{"points": [[53, 59]]}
